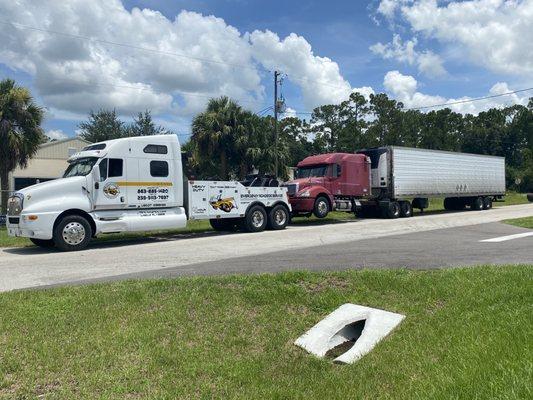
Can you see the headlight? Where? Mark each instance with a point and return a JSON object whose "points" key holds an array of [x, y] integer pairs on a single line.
{"points": [[305, 193], [14, 204]]}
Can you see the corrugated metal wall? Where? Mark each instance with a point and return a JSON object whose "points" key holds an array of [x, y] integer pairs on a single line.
{"points": [[420, 172], [60, 150]]}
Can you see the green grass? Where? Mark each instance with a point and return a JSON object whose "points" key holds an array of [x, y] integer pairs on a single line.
{"points": [[468, 335], [526, 222], [435, 206]]}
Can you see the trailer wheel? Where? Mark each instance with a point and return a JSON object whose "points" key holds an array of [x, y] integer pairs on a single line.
{"points": [[392, 211], [45, 244], [72, 233], [406, 210], [476, 203], [321, 207], [450, 203], [255, 219], [487, 203], [278, 218]]}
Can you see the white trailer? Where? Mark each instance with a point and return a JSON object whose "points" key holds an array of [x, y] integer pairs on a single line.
{"points": [[136, 184], [399, 174]]}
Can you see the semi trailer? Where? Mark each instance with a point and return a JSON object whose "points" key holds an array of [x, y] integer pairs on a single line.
{"points": [[393, 180], [137, 184]]}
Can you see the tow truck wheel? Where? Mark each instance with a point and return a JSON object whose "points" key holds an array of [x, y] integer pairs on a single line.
{"points": [[45, 244], [321, 208], [278, 218], [487, 203], [406, 210], [72, 233], [255, 219]]}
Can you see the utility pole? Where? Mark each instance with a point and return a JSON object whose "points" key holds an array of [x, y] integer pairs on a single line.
{"points": [[276, 134]]}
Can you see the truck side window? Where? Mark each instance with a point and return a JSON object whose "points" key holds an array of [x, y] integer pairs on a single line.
{"points": [[339, 170], [103, 169], [156, 149], [115, 167], [159, 169]]}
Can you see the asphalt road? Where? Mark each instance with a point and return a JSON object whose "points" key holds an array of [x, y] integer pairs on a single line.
{"points": [[429, 241]]}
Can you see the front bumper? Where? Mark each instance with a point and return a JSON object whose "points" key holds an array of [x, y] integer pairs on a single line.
{"points": [[302, 205], [22, 226]]}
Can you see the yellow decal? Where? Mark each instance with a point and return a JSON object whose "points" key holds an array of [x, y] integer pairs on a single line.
{"points": [[129, 183]]}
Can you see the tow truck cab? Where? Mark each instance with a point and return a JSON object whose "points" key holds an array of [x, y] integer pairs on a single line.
{"points": [[328, 182], [108, 187]]}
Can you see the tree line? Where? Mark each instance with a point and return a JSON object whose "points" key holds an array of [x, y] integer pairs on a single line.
{"points": [[227, 141]]}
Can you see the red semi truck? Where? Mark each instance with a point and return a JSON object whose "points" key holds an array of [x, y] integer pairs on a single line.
{"points": [[393, 180]]}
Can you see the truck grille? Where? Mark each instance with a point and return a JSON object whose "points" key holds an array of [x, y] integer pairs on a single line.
{"points": [[14, 205], [292, 188]]}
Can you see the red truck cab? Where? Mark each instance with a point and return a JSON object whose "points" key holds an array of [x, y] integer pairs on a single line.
{"points": [[328, 182]]}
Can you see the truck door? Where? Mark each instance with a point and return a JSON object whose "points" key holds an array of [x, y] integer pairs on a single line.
{"points": [[109, 194]]}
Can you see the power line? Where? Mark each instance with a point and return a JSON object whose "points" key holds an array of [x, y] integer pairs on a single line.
{"points": [[127, 45], [470, 100], [169, 53], [207, 96], [444, 104]]}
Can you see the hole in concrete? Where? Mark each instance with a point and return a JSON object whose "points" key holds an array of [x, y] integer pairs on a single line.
{"points": [[344, 339]]}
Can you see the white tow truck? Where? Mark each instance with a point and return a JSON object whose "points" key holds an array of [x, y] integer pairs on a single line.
{"points": [[137, 184]]}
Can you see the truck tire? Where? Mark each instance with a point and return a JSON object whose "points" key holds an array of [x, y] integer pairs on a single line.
{"points": [[406, 210], [392, 211], [321, 207], [72, 233], [450, 203], [255, 219], [487, 203], [223, 224], [45, 244], [476, 203], [278, 218]]}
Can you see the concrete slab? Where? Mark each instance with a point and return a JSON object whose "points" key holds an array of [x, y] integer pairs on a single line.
{"points": [[338, 328]]}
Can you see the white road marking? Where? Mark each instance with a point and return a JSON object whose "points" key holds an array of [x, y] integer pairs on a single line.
{"points": [[508, 237]]}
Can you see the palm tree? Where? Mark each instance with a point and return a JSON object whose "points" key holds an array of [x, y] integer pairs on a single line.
{"points": [[20, 131], [213, 135]]}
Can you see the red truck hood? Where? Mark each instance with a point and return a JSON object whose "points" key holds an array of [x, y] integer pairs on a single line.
{"points": [[306, 182]]}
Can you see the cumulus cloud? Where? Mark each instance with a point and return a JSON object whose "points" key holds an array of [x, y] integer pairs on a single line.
{"points": [[318, 77], [493, 33], [168, 66], [56, 134], [404, 88], [427, 62]]}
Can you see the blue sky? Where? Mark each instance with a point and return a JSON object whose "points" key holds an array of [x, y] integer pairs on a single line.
{"points": [[420, 52]]}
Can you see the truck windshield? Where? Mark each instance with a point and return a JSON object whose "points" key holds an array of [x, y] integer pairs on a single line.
{"points": [[80, 167], [313, 170]]}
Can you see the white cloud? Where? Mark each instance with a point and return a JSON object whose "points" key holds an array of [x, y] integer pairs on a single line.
{"points": [[318, 77], [366, 91], [404, 88], [56, 134], [387, 8], [74, 76], [493, 33], [427, 62], [289, 113]]}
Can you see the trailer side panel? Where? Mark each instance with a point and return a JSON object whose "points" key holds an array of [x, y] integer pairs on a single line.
{"points": [[431, 173]]}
